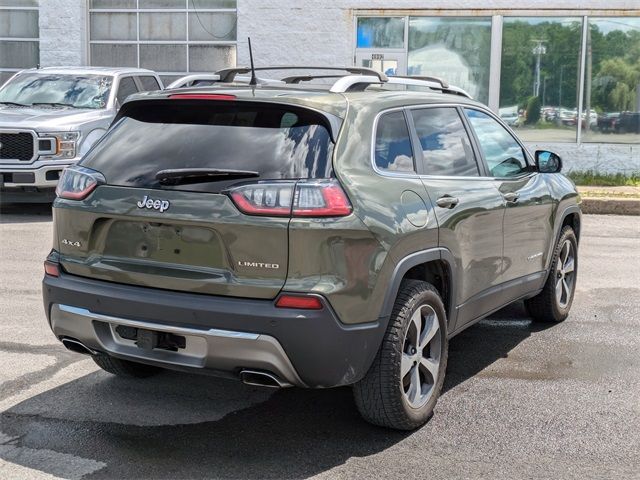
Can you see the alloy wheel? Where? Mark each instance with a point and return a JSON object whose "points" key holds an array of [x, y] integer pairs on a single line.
{"points": [[565, 274], [421, 356]]}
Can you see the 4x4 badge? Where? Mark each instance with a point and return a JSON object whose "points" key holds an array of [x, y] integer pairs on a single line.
{"points": [[152, 204]]}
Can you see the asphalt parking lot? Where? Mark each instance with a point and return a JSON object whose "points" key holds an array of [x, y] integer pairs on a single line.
{"points": [[520, 401]]}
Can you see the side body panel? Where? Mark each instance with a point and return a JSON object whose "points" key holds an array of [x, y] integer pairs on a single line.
{"points": [[393, 208], [472, 232], [528, 225]]}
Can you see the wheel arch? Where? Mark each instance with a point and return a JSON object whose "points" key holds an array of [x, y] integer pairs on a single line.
{"points": [[436, 266], [570, 216]]}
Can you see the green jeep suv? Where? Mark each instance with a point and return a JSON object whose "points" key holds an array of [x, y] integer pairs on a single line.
{"points": [[309, 235]]}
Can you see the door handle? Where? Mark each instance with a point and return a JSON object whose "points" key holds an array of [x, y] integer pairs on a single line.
{"points": [[511, 197], [447, 201]]}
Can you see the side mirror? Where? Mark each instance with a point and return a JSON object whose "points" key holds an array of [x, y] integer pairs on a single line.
{"points": [[548, 162]]}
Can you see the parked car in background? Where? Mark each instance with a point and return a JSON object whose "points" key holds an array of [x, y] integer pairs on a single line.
{"points": [[567, 117], [50, 117], [607, 122], [628, 122], [549, 114], [510, 116], [592, 123]]}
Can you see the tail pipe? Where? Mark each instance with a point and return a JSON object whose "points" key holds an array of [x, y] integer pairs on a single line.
{"points": [[262, 379], [77, 346]]}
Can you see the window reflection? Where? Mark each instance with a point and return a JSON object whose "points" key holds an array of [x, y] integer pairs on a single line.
{"points": [[539, 77], [445, 145], [456, 49], [503, 154], [393, 145], [612, 81], [380, 32], [86, 91]]}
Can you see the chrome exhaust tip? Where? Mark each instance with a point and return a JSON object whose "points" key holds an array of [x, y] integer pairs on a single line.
{"points": [[262, 379], [77, 346]]}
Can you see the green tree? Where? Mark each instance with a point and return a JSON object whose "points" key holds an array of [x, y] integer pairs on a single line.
{"points": [[533, 111]]}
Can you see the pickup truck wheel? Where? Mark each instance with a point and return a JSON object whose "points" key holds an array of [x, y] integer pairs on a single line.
{"points": [[123, 368], [403, 384], [554, 302]]}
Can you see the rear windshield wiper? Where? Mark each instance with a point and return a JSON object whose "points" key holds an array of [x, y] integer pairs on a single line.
{"points": [[53, 104], [15, 104], [188, 176]]}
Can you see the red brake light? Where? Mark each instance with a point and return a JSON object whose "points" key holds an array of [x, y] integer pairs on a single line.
{"points": [[51, 268], [202, 96], [299, 301], [311, 198]]}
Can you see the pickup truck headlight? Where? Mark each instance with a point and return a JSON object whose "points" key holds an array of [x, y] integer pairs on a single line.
{"points": [[58, 145]]}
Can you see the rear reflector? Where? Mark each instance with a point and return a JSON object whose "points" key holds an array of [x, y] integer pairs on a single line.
{"points": [[202, 96], [52, 269], [299, 301]]}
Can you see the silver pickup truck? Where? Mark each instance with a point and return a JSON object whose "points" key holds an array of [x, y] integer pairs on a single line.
{"points": [[50, 117]]}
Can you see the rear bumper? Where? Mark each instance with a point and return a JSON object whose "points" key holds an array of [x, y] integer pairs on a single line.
{"points": [[309, 348]]}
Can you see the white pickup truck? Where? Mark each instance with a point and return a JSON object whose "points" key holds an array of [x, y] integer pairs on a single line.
{"points": [[50, 117]]}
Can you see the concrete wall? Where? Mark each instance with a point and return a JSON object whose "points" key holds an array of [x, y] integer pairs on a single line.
{"points": [[63, 32], [600, 157]]}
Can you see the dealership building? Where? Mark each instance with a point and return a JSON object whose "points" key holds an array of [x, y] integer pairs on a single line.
{"points": [[565, 74]]}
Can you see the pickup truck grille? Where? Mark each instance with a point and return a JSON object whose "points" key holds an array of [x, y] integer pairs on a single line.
{"points": [[16, 146]]}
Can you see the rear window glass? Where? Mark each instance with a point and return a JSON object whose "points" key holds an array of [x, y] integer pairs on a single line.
{"points": [[393, 145], [275, 141]]}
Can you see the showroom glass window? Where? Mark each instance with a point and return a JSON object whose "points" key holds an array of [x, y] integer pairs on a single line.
{"points": [[539, 77], [172, 37], [455, 48], [612, 81], [19, 47]]}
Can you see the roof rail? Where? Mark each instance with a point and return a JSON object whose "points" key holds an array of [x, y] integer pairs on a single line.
{"points": [[430, 82], [354, 83], [227, 75], [307, 78], [443, 83]]}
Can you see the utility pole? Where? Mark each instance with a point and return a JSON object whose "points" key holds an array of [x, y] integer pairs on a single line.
{"points": [[587, 82], [560, 89], [538, 51]]}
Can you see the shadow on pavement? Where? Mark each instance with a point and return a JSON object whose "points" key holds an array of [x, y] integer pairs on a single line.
{"points": [[185, 426], [25, 212]]}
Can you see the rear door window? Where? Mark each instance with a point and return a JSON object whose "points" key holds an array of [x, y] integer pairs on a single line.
{"points": [[277, 142], [127, 87], [393, 150], [446, 148], [148, 83]]}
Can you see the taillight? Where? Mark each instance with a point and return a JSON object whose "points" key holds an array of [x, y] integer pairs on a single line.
{"points": [[272, 199], [77, 182], [308, 198], [320, 198]]}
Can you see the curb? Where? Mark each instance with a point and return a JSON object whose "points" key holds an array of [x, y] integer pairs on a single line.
{"points": [[611, 206]]}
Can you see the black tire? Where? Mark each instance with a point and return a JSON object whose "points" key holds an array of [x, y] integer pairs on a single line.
{"points": [[124, 368], [380, 396], [545, 306]]}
